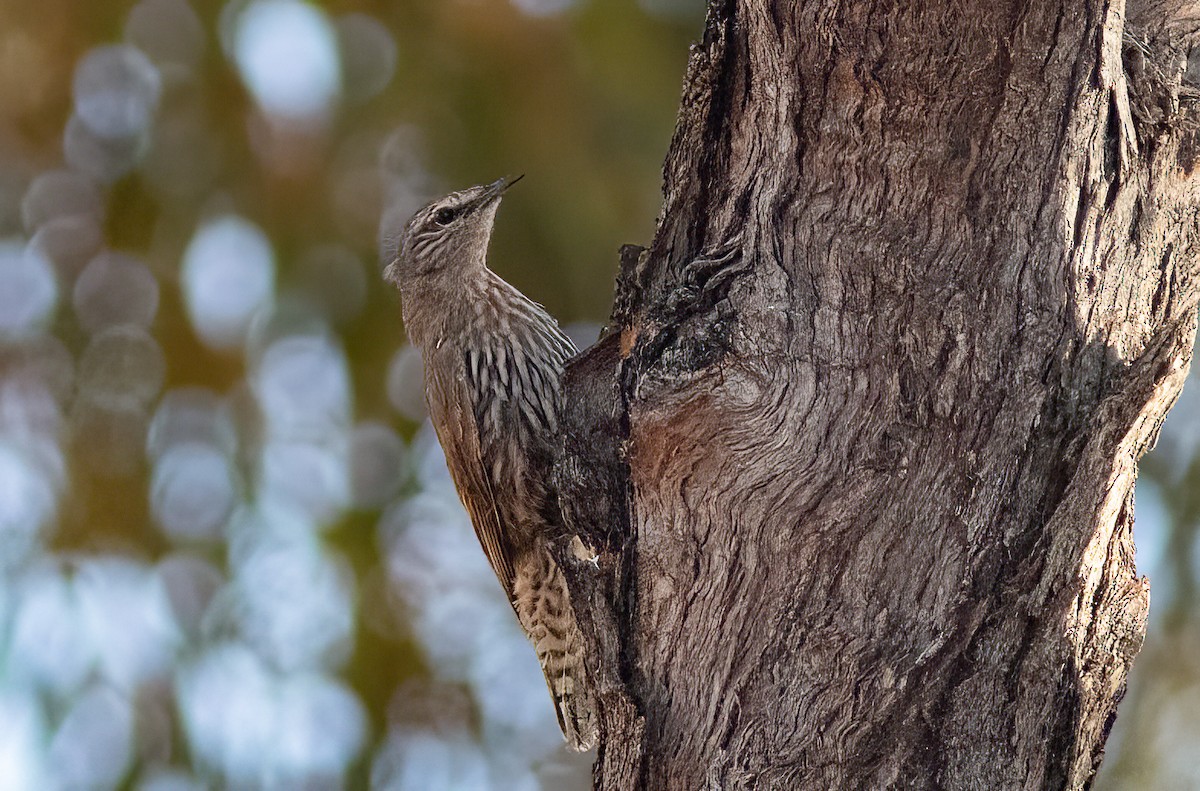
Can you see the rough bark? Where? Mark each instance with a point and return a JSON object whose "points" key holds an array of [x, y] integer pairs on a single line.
{"points": [[858, 446]]}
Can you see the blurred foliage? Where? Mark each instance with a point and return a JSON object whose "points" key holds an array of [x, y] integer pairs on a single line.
{"points": [[229, 553]]}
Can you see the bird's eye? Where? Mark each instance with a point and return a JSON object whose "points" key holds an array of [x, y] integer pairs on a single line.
{"points": [[444, 216]]}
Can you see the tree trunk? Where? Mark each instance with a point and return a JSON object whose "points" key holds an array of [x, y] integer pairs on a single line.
{"points": [[857, 449]]}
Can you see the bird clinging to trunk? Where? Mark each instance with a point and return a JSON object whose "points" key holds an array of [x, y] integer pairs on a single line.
{"points": [[493, 363]]}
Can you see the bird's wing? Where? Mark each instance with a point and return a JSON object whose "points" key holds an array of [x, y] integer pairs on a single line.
{"points": [[464, 458]]}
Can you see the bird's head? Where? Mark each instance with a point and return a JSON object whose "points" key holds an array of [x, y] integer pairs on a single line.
{"points": [[448, 235]]}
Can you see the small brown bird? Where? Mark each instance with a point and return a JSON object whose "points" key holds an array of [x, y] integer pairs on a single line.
{"points": [[493, 363]]}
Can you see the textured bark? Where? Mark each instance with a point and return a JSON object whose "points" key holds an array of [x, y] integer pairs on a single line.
{"points": [[858, 446]]}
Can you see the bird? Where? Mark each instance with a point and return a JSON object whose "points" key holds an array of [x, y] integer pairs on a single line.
{"points": [[493, 361]]}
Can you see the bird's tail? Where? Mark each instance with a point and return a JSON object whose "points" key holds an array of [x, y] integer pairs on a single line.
{"points": [[543, 607]]}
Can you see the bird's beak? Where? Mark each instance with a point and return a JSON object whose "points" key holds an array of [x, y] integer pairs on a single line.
{"points": [[498, 188]]}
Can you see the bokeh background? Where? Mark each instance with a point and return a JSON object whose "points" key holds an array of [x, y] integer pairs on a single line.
{"points": [[230, 554]]}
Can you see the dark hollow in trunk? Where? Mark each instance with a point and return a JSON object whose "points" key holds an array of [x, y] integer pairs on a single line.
{"points": [[858, 446]]}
